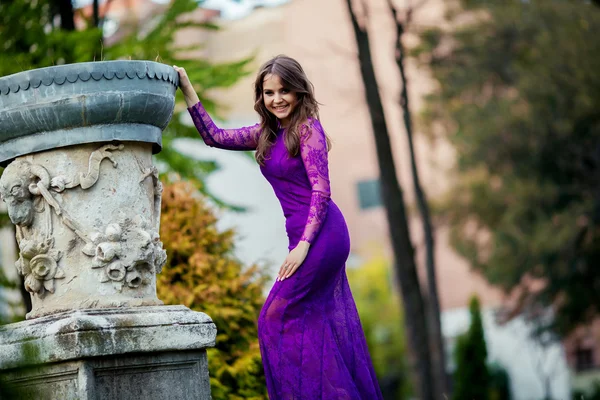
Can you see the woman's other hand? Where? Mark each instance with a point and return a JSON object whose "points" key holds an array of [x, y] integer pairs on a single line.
{"points": [[293, 261]]}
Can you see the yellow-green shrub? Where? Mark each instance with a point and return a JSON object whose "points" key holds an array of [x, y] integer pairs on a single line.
{"points": [[203, 274]]}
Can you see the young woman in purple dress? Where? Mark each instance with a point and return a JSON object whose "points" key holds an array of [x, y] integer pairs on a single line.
{"points": [[311, 340]]}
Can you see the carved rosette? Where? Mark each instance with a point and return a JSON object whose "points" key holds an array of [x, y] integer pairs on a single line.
{"points": [[38, 263], [128, 254], [87, 213]]}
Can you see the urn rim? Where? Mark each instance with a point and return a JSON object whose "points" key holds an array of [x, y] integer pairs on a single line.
{"points": [[89, 102], [84, 71]]}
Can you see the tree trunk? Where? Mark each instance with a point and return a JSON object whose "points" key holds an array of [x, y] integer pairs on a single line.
{"points": [[406, 271], [96, 14], [435, 325], [65, 9]]}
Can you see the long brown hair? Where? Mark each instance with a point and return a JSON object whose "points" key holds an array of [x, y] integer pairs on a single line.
{"points": [[294, 79]]}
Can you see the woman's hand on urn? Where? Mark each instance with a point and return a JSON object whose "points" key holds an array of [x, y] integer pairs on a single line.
{"points": [[293, 261], [191, 98]]}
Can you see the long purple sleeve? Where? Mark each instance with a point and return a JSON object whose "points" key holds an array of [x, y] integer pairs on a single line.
{"points": [[229, 139], [313, 150]]}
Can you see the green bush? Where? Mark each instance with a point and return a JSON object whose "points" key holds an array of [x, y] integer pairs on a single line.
{"points": [[499, 382], [472, 377], [594, 394], [203, 274], [382, 320]]}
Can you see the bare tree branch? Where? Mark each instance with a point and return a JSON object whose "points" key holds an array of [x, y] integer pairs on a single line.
{"points": [[392, 195], [436, 342]]}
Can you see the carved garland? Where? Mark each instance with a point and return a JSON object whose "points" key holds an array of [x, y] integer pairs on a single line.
{"points": [[126, 251]]}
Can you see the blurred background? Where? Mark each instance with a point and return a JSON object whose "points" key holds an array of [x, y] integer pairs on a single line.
{"points": [[466, 160]]}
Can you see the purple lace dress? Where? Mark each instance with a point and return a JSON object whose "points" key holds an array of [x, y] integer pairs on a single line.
{"points": [[311, 340]]}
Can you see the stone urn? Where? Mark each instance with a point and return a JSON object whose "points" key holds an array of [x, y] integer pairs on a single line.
{"points": [[76, 142]]}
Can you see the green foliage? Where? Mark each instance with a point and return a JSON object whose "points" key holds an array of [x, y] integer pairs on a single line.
{"points": [[7, 391], [31, 39], [3, 284], [519, 97], [594, 394], [381, 316], [158, 43], [203, 274], [29, 355], [8, 313], [472, 378], [499, 382]]}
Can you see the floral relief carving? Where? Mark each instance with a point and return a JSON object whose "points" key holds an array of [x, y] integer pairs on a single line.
{"points": [[127, 252], [38, 263], [24, 187]]}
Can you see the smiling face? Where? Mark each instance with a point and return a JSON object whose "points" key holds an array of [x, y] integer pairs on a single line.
{"points": [[279, 100]]}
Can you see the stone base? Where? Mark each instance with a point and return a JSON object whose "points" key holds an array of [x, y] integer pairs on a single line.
{"points": [[173, 376], [131, 353]]}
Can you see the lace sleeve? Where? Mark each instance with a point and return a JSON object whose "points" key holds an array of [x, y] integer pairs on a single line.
{"points": [[313, 150], [229, 139]]}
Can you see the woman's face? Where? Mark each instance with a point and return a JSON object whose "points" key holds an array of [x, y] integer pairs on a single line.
{"points": [[280, 101]]}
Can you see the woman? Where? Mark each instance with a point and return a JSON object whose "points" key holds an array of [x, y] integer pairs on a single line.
{"points": [[311, 340]]}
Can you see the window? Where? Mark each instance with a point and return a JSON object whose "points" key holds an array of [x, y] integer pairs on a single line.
{"points": [[369, 194], [584, 359]]}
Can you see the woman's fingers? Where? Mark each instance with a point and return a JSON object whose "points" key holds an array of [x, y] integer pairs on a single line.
{"points": [[181, 72], [282, 270], [290, 270], [287, 269]]}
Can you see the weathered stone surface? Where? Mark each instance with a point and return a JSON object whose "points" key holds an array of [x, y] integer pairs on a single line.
{"points": [[92, 333], [149, 353], [80, 103], [160, 376], [87, 221], [80, 186]]}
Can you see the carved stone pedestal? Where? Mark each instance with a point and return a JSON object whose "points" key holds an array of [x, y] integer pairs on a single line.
{"points": [[77, 142], [129, 353], [168, 375]]}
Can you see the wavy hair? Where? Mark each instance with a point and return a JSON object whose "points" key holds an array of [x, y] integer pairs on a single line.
{"points": [[294, 79]]}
